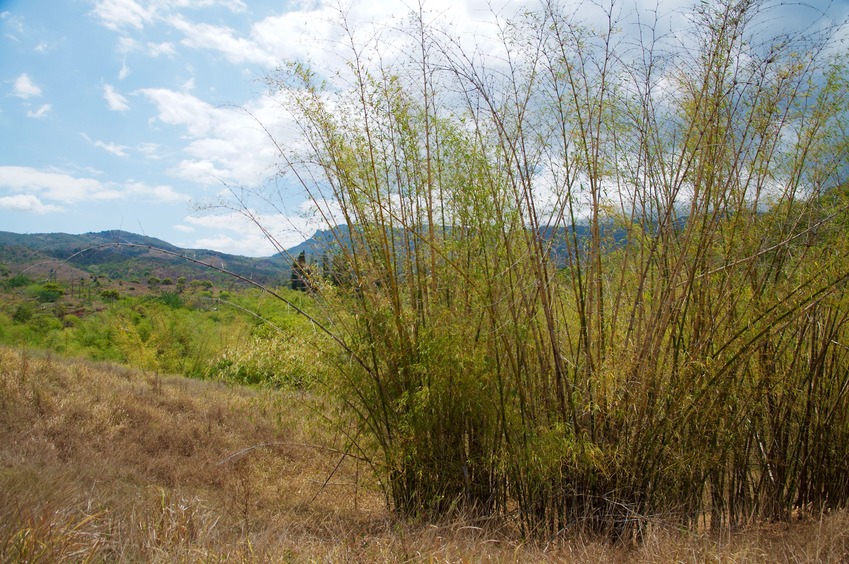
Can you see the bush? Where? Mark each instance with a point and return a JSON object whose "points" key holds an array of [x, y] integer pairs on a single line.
{"points": [[49, 292], [171, 299], [683, 351], [23, 312], [18, 281], [109, 295]]}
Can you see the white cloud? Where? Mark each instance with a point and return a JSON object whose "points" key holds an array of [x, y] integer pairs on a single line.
{"points": [[25, 88], [117, 14], [30, 186], [14, 22], [27, 203], [184, 228], [149, 150], [41, 112], [200, 171], [312, 31], [55, 186], [127, 45], [300, 34], [222, 39], [228, 144], [114, 101], [115, 149], [157, 49], [124, 72], [232, 5], [249, 240], [178, 108], [248, 244], [162, 193]]}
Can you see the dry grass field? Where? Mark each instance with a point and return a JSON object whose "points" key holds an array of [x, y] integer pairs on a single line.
{"points": [[102, 463]]}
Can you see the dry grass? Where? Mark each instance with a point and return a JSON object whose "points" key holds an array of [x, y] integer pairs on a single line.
{"points": [[103, 463]]}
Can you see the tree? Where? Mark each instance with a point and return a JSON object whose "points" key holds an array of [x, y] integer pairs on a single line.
{"points": [[299, 279], [109, 295]]}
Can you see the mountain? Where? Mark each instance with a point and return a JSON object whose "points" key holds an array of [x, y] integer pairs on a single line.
{"points": [[127, 256], [322, 242], [121, 255]]}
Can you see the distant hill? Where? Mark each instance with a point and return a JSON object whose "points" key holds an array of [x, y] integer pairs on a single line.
{"points": [[322, 242], [122, 255]]}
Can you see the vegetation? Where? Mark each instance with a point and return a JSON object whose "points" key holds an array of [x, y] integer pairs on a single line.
{"points": [[119, 255], [190, 332], [101, 463], [596, 290], [687, 358]]}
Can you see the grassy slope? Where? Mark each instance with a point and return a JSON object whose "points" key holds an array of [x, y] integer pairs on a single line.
{"points": [[102, 462]]}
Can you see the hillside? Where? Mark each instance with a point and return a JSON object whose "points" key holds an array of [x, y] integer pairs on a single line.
{"points": [[121, 255]]}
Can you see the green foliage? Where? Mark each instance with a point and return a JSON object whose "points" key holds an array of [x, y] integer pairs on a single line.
{"points": [[201, 285], [171, 299], [687, 361], [18, 281], [169, 334], [49, 292], [23, 312], [109, 295], [279, 360]]}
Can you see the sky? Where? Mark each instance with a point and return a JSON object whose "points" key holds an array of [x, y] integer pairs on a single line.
{"points": [[142, 114]]}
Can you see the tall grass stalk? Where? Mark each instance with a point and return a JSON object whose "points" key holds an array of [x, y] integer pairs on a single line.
{"points": [[595, 280]]}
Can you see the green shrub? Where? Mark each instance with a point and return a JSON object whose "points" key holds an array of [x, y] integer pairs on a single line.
{"points": [[23, 312], [109, 295], [18, 281], [49, 292], [171, 299]]}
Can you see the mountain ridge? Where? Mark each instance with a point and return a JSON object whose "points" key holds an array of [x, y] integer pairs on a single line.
{"points": [[125, 255]]}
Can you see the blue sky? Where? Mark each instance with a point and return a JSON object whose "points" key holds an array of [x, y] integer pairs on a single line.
{"points": [[129, 114]]}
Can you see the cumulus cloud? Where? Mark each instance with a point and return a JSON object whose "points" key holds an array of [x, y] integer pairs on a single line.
{"points": [[118, 15], [180, 108], [27, 203], [55, 186], [202, 171], [312, 31], [247, 238], [114, 100], [41, 112], [25, 88], [226, 144], [221, 39], [29, 184]]}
